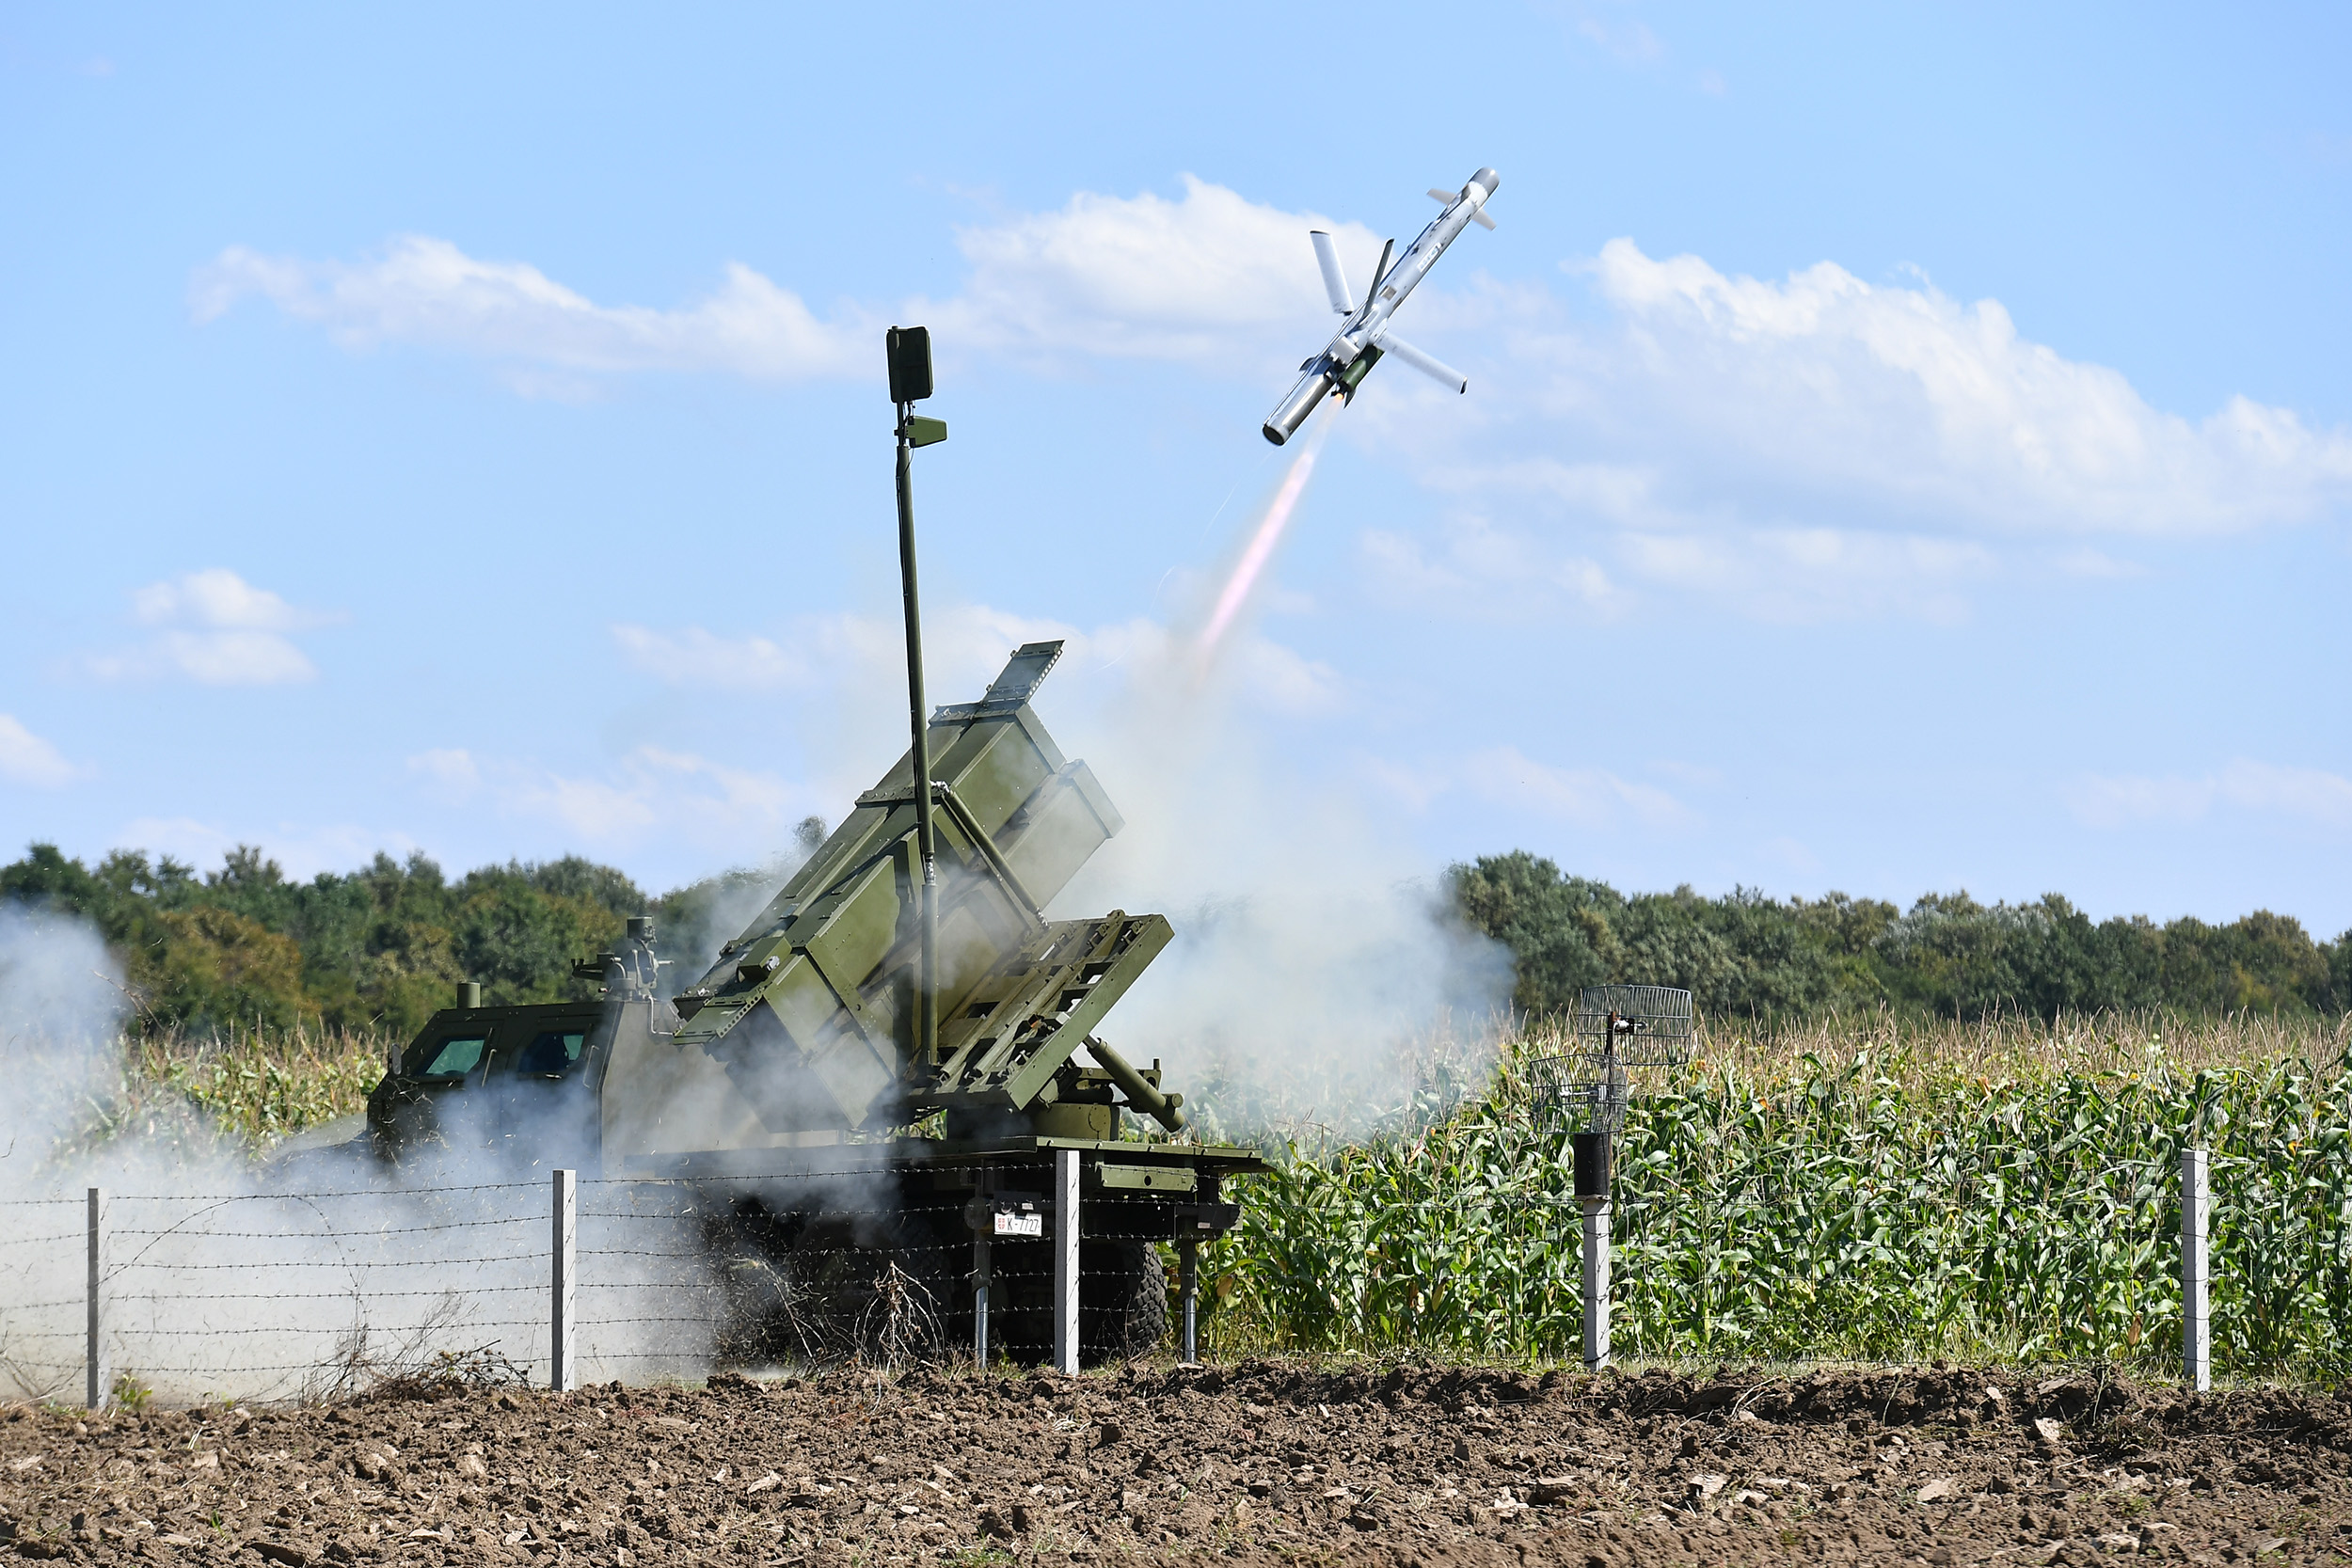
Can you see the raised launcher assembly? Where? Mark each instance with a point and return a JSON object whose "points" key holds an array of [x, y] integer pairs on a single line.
{"points": [[783, 1102], [812, 1010]]}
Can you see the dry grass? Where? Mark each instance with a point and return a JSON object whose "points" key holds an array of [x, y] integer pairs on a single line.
{"points": [[1916, 1052]]}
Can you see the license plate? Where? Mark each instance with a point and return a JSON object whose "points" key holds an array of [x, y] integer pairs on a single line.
{"points": [[1021, 1225]]}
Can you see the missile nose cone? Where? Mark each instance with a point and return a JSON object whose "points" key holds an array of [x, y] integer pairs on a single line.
{"points": [[1487, 178]]}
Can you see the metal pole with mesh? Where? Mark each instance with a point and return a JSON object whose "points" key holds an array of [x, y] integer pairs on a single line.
{"points": [[1615, 1032]]}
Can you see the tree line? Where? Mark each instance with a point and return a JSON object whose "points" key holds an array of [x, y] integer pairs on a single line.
{"points": [[383, 946], [1745, 955]]}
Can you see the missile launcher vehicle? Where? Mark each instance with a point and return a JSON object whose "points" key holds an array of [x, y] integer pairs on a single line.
{"points": [[792, 1089]]}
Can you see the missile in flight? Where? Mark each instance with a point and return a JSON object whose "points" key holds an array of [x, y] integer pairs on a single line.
{"points": [[1364, 338]]}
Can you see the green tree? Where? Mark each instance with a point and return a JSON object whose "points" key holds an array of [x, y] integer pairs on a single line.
{"points": [[1556, 926], [219, 971]]}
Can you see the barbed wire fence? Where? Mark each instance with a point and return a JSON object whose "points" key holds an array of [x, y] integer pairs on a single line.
{"points": [[117, 1296]]}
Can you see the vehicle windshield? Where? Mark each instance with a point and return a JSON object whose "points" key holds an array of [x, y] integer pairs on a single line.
{"points": [[446, 1060], [551, 1054]]}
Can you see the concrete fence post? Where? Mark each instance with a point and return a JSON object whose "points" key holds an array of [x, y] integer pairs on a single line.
{"points": [[1188, 1294], [1066, 1259], [100, 1385], [1597, 1218], [562, 1325], [2196, 1270], [980, 1242]]}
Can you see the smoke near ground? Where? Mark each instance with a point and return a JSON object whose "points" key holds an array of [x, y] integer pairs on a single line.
{"points": [[228, 1277]]}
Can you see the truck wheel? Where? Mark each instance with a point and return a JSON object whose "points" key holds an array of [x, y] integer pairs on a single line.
{"points": [[1122, 1301], [1020, 1304]]}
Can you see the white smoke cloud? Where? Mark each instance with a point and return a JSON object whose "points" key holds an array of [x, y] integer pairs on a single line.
{"points": [[228, 1277], [25, 758], [61, 1003], [216, 628], [1310, 941]]}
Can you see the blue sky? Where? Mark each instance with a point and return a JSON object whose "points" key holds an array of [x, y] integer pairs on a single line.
{"points": [[1907, 448]]}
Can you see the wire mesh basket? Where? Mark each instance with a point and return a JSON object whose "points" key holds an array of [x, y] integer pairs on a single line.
{"points": [[1649, 1025], [1619, 1030]]}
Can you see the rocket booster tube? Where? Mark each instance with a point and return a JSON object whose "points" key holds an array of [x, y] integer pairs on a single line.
{"points": [[1313, 389]]}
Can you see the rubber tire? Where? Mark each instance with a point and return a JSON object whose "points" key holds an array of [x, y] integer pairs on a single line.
{"points": [[1122, 1301]]}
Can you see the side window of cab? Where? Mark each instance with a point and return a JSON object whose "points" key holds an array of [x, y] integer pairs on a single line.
{"points": [[444, 1058], [552, 1053]]}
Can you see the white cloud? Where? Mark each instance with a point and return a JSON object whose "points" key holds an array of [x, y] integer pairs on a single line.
{"points": [[1800, 449], [1826, 389], [2085, 562], [1506, 777], [426, 291], [723, 810], [1589, 796], [216, 628], [453, 773], [1810, 449], [1207, 278], [1632, 41], [2300, 794], [694, 657], [218, 598], [25, 758], [1479, 568], [301, 851], [1813, 574]]}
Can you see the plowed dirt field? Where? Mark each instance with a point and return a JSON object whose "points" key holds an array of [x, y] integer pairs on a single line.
{"points": [[1254, 1463]]}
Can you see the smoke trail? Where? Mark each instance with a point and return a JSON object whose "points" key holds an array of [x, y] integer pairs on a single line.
{"points": [[1261, 548]]}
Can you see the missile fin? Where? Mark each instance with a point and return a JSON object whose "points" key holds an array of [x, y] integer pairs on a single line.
{"points": [[1334, 280], [1427, 364], [1480, 218], [1387, 247]]}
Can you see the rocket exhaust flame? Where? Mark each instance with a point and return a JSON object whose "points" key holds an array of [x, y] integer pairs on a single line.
{"points": [[1261, 548]]}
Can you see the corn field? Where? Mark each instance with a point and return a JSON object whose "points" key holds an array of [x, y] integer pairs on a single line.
{"points": [[1864, 1190], [202, 1096], [1867, 1191]]}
